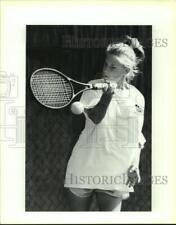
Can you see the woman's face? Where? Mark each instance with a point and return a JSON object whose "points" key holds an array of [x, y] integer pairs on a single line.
{"points": [[113, 69]]}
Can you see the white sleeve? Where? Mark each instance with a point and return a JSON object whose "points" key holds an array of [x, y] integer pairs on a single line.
{"points": [[140, 104]]}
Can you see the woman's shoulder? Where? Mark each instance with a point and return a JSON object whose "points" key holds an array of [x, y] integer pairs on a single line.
{"points": [[135, 91], [137, 95]]}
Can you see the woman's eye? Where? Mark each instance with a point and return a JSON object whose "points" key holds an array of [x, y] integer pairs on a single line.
{"points": [[113, 67]]}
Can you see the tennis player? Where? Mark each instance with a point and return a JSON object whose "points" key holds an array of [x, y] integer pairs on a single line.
{"points": [[105, 159]]}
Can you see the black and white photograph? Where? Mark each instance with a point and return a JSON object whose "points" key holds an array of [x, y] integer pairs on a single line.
{"points": [[88, 118], [87, 112]]}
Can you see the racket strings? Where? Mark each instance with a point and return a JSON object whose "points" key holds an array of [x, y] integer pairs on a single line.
{"points": [[51, 89]]}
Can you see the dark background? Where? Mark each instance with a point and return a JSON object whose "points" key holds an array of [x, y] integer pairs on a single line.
{"points": [[79, 52]]}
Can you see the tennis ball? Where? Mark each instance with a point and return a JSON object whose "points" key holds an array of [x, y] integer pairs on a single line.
{"points": [[77, 108]]}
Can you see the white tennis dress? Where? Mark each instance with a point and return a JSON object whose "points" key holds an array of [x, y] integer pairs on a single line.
{"points": [[104, 152]]}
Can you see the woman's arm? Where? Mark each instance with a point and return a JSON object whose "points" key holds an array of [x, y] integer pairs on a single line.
{"points": [[97, 113]]}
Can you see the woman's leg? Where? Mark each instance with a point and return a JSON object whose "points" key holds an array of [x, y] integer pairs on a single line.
{"points": [[78, 203], [107, 202]]}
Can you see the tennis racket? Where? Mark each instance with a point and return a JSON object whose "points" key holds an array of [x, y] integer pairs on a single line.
{"points": [[55, 90]]}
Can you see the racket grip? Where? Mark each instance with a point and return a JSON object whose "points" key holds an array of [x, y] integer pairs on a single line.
{"points": [[103, 85]]}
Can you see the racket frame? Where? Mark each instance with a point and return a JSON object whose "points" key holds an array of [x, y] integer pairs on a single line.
{"points": [[87, 86]]}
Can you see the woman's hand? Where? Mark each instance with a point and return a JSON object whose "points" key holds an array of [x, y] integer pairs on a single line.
{"points": [[133, 176], [109, 89]]}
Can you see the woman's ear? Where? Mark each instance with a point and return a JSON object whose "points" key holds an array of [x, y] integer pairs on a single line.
{"points": [[127, 70]]}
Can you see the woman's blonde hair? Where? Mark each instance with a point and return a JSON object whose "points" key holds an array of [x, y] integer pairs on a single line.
{"points": [[130, 53]]}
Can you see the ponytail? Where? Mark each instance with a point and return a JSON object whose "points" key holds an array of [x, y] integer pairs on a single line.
{"points": [[136, 46]]}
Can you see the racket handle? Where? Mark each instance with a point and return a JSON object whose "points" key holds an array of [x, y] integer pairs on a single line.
{"points": [[103, 85]]}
